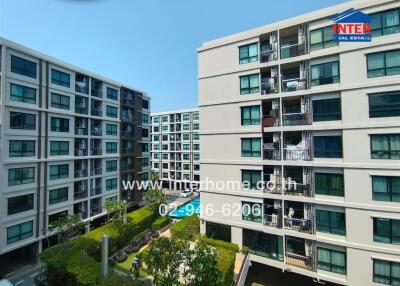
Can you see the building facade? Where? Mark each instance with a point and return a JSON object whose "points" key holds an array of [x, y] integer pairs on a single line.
{"points": [[175, 147], [65, 146], [286, 101]]}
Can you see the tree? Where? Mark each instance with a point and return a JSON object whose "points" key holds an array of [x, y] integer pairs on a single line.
{"points": [[116, 210], [201, 266], [163, 259], [154, 176], [154, 195], [67, 226]]}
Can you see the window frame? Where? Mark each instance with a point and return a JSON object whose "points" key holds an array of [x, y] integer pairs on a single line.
{"points": [[380, 13], [12, 210], [60, 198], [324, 43], [59, 175], [59, 104], [389, 151], [56, 77], [332, 229], [23, 152], [331, 265], [111, 129], [253, 153], [23, 179], [330, 191], [24, 125], [250, 121], [21, 235], [322, 117], [112, 93], [384, 68], [388, 110], [59, 151], [386, 238], [324, 80], [389, 189], [249, 89], [23, 70], [24, 97], [248, 59]]}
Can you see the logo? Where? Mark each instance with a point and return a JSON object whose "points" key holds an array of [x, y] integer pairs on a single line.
{"points": [[352, 26]]}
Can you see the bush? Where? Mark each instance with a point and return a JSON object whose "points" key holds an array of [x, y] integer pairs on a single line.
{"points": [[220, 243], [226, 264], [186, 228], [160, 222], [119, 234]]}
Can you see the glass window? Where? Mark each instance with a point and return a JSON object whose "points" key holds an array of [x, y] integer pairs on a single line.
{"points": [[60, 78], [327, 109], [328, 146], [111, 147], [145, 147], [144, 162], [329, 184], [331, 260], [385, 23], [387, 230], [383, 63], [58, 172], [165, 156], [111, 166], [195, 116], [326, 73], [22, 93], [248, 53], [186, 146], [186, 117], [57, 196], [111, 129], [386, 272], [251, 147], [331, 222], [252, 211], [59, 124], [21, 176], [196, 136], [164, 118], [196, 147], [186, 127], [156, 156], [111, 184], [250, 84], [19, 120], [19, 232], [322, 38], [386, 189], [145, 118], [59, 101], [112, 93], [112, 111], [59, 148], [251, 177], [196, 156], [21, 148], [23, 67], [156, 146], [186, 136], [195, 126], [20, 204], [250, 115], [384, 104], [385, 146]]}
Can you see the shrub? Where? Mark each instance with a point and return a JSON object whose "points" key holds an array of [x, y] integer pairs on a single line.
{"points": [[220, 243], [160, 222], [186, 228], [226, 264]]}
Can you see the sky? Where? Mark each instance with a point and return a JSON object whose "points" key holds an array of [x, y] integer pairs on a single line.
{"points": [[148, 44]]}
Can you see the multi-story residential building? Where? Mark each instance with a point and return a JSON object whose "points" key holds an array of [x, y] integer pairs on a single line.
{"points": [[175, 147], [286, 101], [65, 139]]}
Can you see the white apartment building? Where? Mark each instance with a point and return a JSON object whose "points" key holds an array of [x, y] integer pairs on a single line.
{"points": [[175, 147], [67, 136], [285, 101]]}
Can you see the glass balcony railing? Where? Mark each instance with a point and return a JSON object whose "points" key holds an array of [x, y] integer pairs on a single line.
{"points": [[294, 84], [292, 50], [295, 119]]}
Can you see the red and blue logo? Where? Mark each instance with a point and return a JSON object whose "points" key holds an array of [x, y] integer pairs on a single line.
{"points": [[352, 26]]}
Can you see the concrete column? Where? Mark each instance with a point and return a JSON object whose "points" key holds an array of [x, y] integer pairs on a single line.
{"points": [[104, 256]]}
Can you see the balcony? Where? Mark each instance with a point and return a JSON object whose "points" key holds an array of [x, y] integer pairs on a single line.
{"points": [[269, 85], [96, 131], [81, 209], [96, 111], [270, 121], [127, 150], [80, 190], [80, 147], [81, 83], [297, 154], [81, 105], [95, 191], [294, 84], [128, 101], [298, 224], [95, 151], [97, 88], [298, 189], [80, 173], [95, 171], [299, 253], [295, 119], [273, 182], [300, 261], [82, 131], [292, 50], [271, 151], [95, 210], [298, 217]]}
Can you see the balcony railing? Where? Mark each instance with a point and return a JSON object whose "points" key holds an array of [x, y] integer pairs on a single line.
{"points": [[300, 190], [95, 191], [270, 121], [295, 119], [305, 262], [97, 92], [291, 51], [80, 194], [96, 112], [128, 134], [96, 131], [95, 171], [126, 167], [81, 88], [81, 131], [128, 101], [297, 154], [80, 173], [276, 190], [94, 210], [324, 80], [273, 220], [266, 53], [95, 151], [127, 150], [81, 110], [271, 151], [82, 214], [300, 225], [269, 85], [81, 152], [294, 84]]}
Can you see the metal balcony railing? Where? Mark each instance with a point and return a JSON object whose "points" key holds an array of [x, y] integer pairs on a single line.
{"points": [[81, 89], [97, 92], [273, 220], [94, 210], [294, 84], [305, 262], [300, 225], [95, 131], [270, 121], [269, 85], [80, 194], [81, 152], [81, 110], [96, 112], [266, 53], [81, 131], [80, 173], [293, 50], [298, 189], [95, 151], [295, 119], [95, 191], [95, 171], [297, 154]]}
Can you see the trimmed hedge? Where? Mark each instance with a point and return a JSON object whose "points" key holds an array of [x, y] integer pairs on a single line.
{"points": [[119, 234], [220, 243], [160, 222], [78, 262], [186, 228], [226, 264]]}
